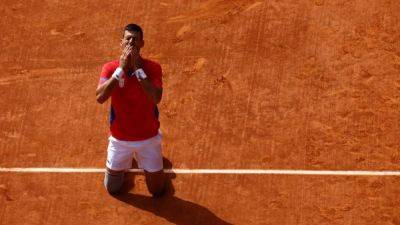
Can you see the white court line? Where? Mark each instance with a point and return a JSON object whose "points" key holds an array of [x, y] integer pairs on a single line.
{"points": [[212, 171]]}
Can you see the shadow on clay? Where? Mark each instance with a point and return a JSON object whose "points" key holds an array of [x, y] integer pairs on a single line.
{"points": [[169, 207]]}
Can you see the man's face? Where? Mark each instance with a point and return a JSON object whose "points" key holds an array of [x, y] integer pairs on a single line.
{"points": [[132, 38]]}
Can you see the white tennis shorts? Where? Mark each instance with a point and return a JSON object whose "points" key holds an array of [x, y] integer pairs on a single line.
{"points": [[147, 153]]}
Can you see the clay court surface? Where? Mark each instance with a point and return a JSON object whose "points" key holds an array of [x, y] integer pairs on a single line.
{"points": [[299, 85]]}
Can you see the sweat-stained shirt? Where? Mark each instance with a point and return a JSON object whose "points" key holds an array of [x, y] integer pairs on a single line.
{"points": [[133, 116]]}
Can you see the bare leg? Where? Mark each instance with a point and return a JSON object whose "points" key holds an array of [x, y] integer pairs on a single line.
{"points": [[155, 182], [113, 180]]}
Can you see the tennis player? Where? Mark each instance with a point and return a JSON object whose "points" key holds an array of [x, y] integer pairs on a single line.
{"points": [[135, 87]]}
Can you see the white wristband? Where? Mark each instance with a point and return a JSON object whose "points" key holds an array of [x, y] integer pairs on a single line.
{"points": [[118, 73], [140, 74]]}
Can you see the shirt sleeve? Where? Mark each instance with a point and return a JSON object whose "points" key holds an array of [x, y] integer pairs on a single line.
{"points": [[156, 78], [106, 73]]}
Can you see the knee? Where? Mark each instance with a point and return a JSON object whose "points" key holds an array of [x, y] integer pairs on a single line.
{"points": [[155, 183], [157, 193], [113, 181], [155, 189]]}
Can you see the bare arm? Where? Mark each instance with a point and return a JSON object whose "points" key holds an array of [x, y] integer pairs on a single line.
{"points": [[103, 92], [152, 92]]}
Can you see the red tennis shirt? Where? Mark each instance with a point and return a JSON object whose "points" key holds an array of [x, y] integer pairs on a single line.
{"points": [[133, 117]]}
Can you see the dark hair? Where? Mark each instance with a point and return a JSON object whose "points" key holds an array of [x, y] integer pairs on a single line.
{"points": [[133, 28]]}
